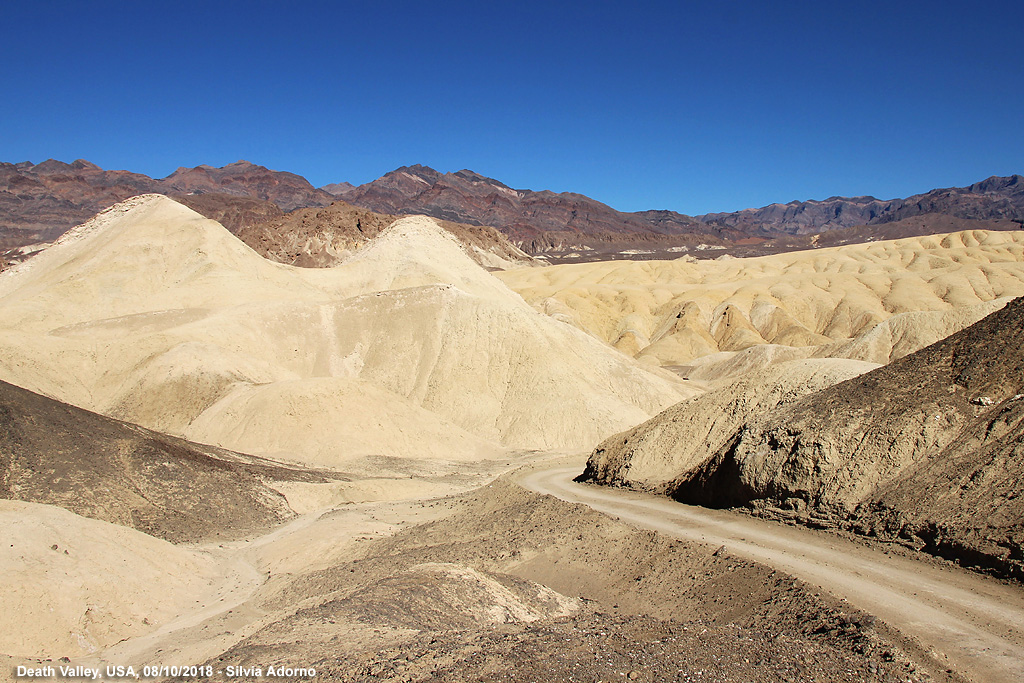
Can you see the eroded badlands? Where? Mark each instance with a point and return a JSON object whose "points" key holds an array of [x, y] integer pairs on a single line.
{"points": [[372, 414]]}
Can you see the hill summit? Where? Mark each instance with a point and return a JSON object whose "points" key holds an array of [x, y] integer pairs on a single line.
{"points": [[408, 349]]}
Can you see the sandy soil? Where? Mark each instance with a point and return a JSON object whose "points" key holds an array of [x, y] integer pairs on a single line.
{"points": [[819, 302], [152, 314], [971, 622], [430, 380], [500, 583]]}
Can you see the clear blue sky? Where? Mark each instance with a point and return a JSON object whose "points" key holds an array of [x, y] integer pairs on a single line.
{"points": [[691, 106]]}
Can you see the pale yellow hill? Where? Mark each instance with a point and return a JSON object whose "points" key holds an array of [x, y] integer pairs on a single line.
{"points": [[73, 585], [826, 302], [155, 315]]}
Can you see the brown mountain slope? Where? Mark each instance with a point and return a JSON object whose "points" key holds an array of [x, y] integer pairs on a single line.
{"points": [[97, 467], [995, 198], [799, 218], [322, 237], [288, 190], [234, 213], [929, 448], [338, 189], [914, 226], [537, 221], [549, 222], [38, 202]]}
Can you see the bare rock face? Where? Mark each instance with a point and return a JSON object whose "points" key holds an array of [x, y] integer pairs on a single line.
{"points": [[40, 201], [928, 449], [234, 213], [653, 455]]}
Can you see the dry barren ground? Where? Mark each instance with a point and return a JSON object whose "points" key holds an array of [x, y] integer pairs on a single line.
{"points": [[973, 623], [503, 583], [435, 561]]}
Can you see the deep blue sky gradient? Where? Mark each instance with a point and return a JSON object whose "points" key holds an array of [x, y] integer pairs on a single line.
{"points": [[688, 106]]}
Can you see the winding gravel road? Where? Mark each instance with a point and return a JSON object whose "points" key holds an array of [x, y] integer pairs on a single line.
{"points": [[968, 623]]}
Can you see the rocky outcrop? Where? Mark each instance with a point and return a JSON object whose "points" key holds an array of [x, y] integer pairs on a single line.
{"points": [[234, 213], [928, 449], [97, 467], [653, 455]]}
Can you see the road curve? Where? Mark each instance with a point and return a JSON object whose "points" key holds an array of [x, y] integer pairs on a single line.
{"points": [[973, 624]]}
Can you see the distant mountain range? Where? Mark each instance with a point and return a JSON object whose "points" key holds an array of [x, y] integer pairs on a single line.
{"points": [[993, 199], [40, 201], [538, 221], [471, 198]]}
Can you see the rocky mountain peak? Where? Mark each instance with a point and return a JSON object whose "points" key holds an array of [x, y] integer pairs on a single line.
{"points": [[51, 166]]}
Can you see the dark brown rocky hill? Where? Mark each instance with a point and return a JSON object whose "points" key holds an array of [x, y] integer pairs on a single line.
{"points": [[243, 179], [928, 449], [97, 467], [234, 213], [38, 202]]}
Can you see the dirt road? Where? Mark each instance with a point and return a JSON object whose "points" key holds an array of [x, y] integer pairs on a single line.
{"points": [[969, 623]]}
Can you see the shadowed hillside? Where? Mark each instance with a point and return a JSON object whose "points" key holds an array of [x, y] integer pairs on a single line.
{"points": [[928, 450], [117, 472]]}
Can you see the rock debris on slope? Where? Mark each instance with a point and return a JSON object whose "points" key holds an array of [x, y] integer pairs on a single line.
{"points": [[927, 450]]}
